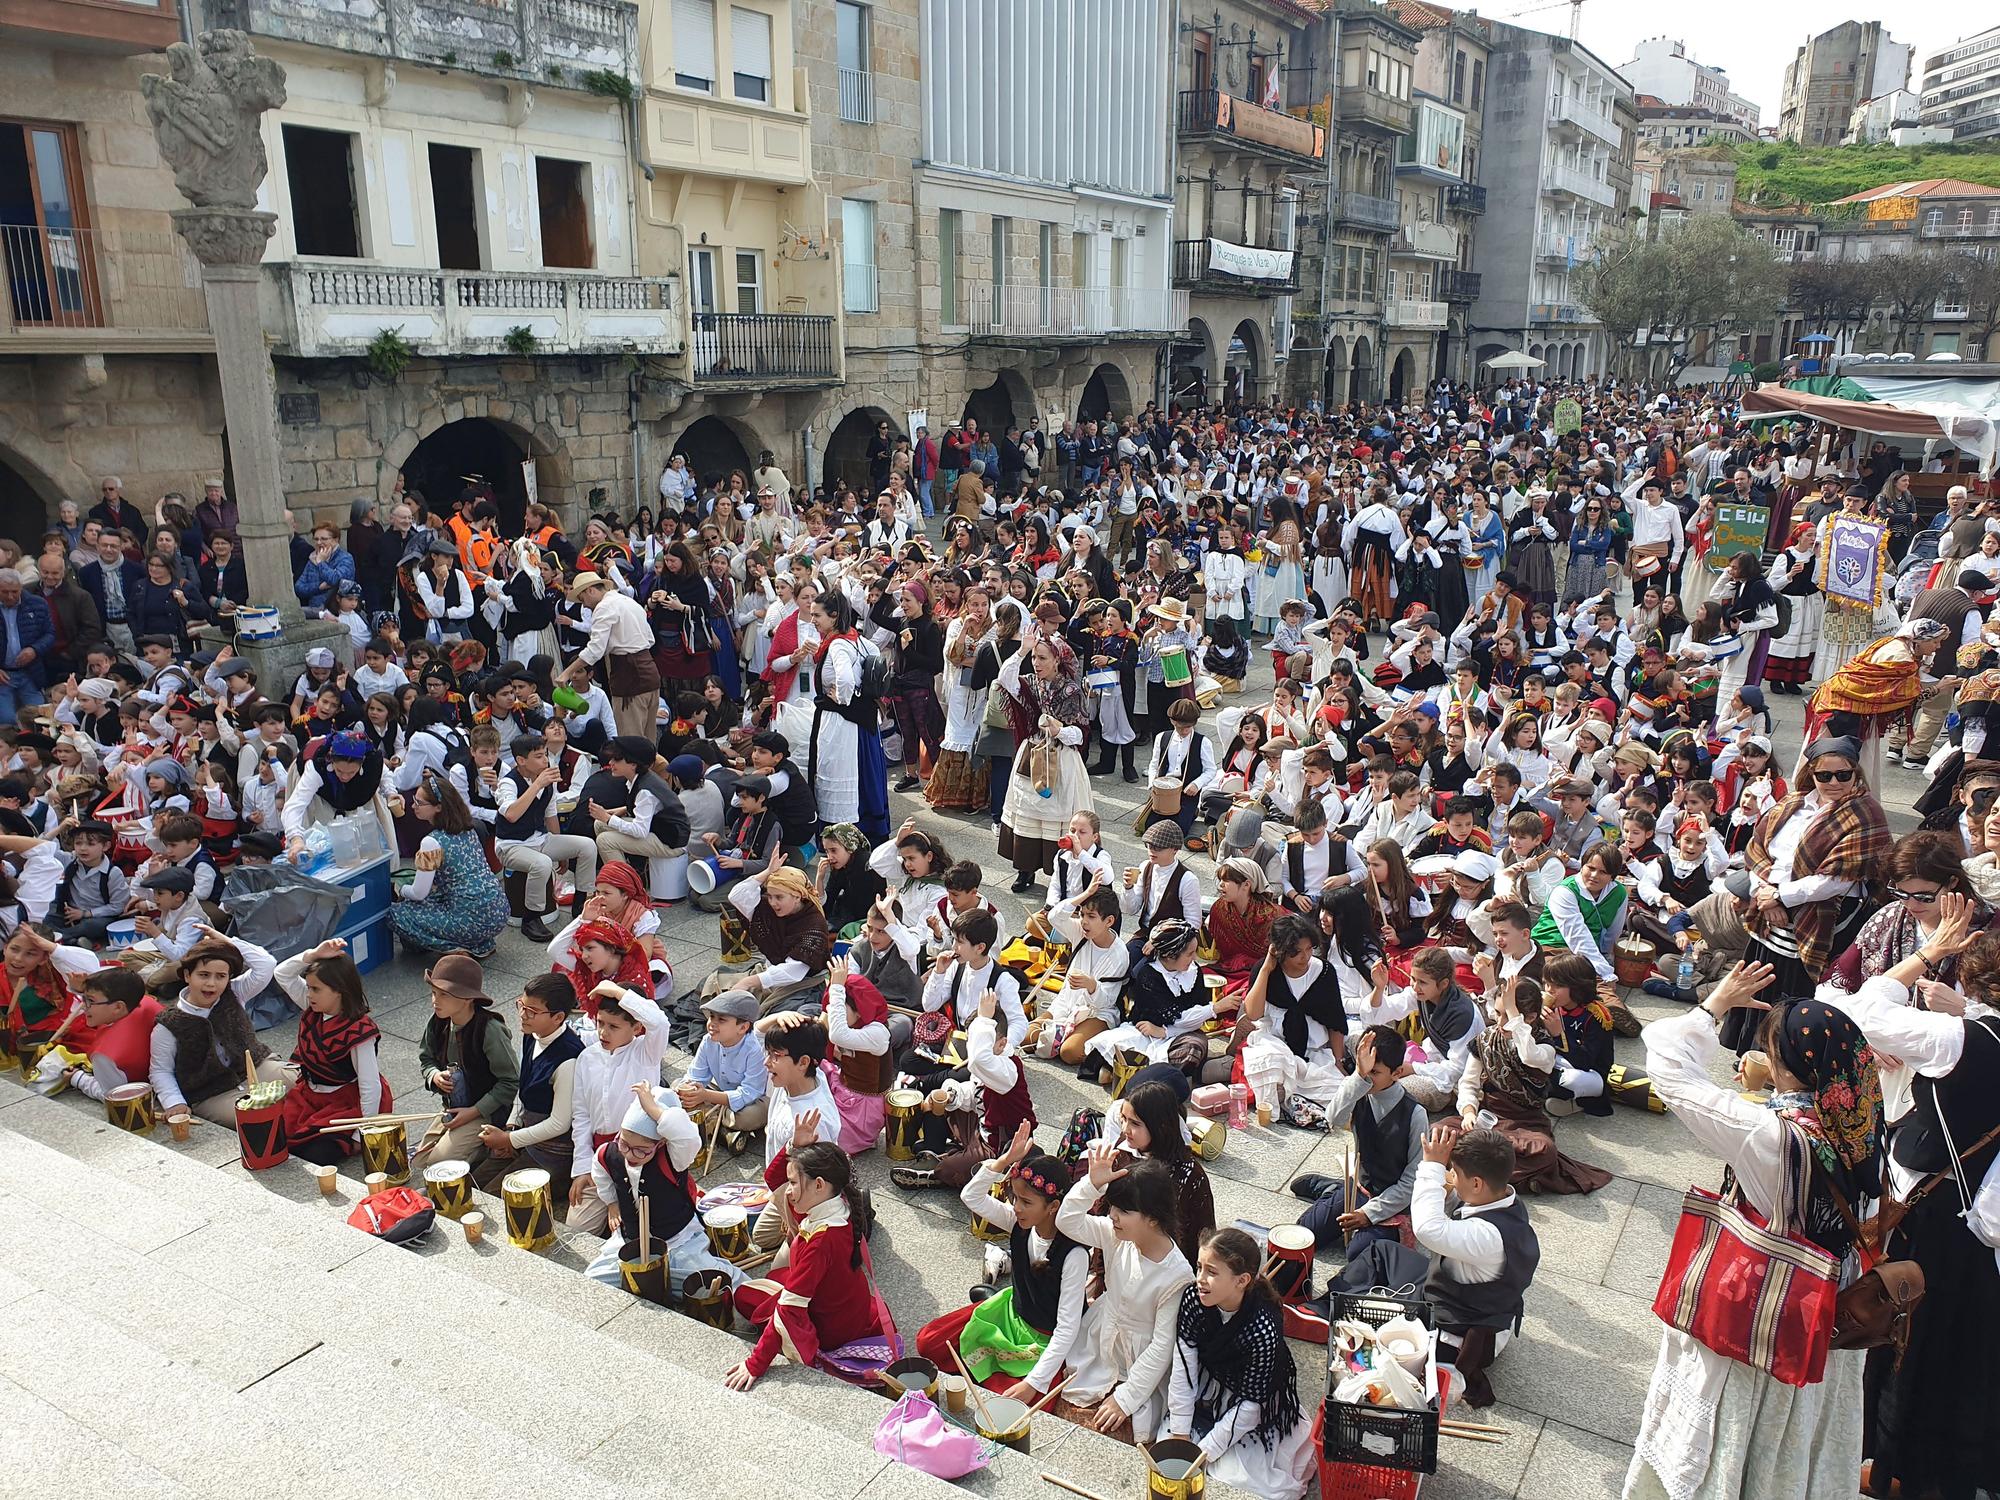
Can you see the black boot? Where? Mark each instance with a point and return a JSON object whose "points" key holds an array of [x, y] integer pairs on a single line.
{"points": [[1126, 753]]}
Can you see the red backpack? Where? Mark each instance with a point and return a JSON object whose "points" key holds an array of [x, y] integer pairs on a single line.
{"points": [[397, 1214]]}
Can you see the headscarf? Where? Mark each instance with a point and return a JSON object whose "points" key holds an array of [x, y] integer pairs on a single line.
{"points": [[1170, 939], [170, 771], [847, 835], [1828, 1053], [624, 879], [1246, 872], [792, 881]]}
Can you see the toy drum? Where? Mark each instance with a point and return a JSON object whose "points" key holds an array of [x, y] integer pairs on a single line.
{"points": [[708, 1299], [1174, 668], [256, 622], [448, 1184], [1124, 1067], [130, 1107], [1722, 647], [1101, 679], [911, 1374], [260, 1130], [1163, 796], [985, 1230], [1433, 872], [902, 1106], [728, 1231], [1209, 1135], [1291, 1259], [1174, 1470], [648, 1279], [121, 934], [1002, 1419], [386, 1149], [1632, 959], [10, 1056], [704, 875], [530, 1205]]}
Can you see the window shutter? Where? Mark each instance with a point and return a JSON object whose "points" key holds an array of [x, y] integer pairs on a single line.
{"points": [[694, 38], [750, 41]]}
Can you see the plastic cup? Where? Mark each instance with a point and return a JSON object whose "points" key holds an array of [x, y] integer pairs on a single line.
{"points": [[1263, 1113], [181, 1125], [376, 1182]]}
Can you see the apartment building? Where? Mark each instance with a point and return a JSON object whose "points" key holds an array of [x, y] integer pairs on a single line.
{"points": [[1961, 88], [1661, 67], [1833, 72]]}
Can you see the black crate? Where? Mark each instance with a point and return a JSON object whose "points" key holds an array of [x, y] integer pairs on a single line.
{"points": [[1385, 1436]]}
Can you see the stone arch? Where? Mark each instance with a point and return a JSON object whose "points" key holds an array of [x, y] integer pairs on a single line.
{"points": [[1244, 374], [508, 431], [1333, 381], [1487, 353], [1008, 402], [714, 445], [1539, 351], [1402, 375], [1194, 364], [29, 498], [1361, 383], [847, 447], [1108, 393]]}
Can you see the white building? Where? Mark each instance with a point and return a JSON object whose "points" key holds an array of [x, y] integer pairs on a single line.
{"points": [[1961, 90], [1661, 67], [1873, 119]]}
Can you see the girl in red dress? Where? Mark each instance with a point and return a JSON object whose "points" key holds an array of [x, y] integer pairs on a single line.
{"points": [[340, 1076]]}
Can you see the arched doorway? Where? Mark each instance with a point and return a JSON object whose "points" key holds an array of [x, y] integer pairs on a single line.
{"points": [[994, 408], [1333, 379], [712, 448], [1106, 394], [1361, 384], [443, 464], [1401, 374], [27, 507], [847, 448], [1490, 352], [1242, 376], [1193, 368]]}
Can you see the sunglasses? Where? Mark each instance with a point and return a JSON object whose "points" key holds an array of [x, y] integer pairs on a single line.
{"points": [[1823, 777], [1920, 898]]}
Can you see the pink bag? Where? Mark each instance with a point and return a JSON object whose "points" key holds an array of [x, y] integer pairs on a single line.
{"points": [[916, 1433]]}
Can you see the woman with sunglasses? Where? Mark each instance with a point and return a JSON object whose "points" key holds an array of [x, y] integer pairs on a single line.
{"points": [[1921, 868], [1811, 858], [1590, 540]]}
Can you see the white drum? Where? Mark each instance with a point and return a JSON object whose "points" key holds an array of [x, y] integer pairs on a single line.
{"points": [[704, 875], [1432, 871], [257, 622]]}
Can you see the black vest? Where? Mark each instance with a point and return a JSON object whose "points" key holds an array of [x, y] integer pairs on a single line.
{"points": [[1153, 898], [1382, 1146], [85, 889], [535, 820], [1496, 1303], [670, 820], [1966, 1100], [1038, 1288], [669, 1198], [796, 807], [1295, 861], [197, 1070], [538, 1071]]}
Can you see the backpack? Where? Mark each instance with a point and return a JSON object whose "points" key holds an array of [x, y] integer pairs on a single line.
{"points": [[398, 1215], [875, 674], [1784, 626]]}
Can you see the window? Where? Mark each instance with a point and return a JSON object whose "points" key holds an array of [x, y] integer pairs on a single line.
{"points": [[457, 207], [319, 167], [1079, 260], [1478, 82], [1202, 61], [1120, 250], [749, 281], [997, 251], [1701, 192], [949, 313], [701, 282], [1368, 273], [694, 45], [857, 256], [45, 240], [1993, 221], [1944, 343], [562, 193], [1458, 78], [1965, 221], [857, 81], [1933, 220], [750, 53]]}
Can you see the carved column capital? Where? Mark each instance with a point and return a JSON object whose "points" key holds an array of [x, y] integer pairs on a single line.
{"points": [[225, 237]]}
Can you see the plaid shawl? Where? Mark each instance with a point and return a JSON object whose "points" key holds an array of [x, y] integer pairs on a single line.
{"points": [[1847, 842]]}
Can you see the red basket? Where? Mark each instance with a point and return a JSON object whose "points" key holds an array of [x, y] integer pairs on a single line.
{"points": [[1369, 1481]]}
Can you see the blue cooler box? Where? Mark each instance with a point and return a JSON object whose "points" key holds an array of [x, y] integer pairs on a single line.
{"points": [[366, 926]]}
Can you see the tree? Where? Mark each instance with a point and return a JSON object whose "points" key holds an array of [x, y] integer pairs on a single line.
{"points": [[1911, 285], [1832, 295], [1978, 281], [1703, 276], [1615, 285]]}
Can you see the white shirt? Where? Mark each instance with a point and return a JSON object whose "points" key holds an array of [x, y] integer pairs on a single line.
{"points": [[618, 627], [971, 985], [601, 1086], [780, 1120], [1784, 847], [1472, 1249]]}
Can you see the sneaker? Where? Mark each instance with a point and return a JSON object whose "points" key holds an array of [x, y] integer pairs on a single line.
{"points": [[1313, 1186], [913, 1179], [1659, 989], [909, 784], [1916, 762]]}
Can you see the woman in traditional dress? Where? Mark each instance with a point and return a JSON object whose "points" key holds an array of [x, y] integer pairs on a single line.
{"points": [[456, 900], [1485, 545], [1873, 689], [1920, 869], [1372, 538], [1697, 578], [1591, 537], [958, 781], [845, 764], [1049, 782], [1282, 575], [1813, 859], [1718, 1428], [1750, 611], [1507, 1075], [1532, 554], [1789, 662]]}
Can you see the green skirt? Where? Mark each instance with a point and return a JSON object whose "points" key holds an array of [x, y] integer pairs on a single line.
{"points": [[995, 1338]]}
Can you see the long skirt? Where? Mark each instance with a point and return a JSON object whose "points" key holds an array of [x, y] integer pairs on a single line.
{"points": [[308, 1108], [993, 1340], [958, 782], [1033, 820], [1790, 658], [1585, 579], [1534, 566], [727, 665], [1538, 1166], [860, 1114], [1697, 583]]}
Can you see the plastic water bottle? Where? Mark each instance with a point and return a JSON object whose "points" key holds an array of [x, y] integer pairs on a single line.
{"points": [[1239, 1106], [1684, 973]]}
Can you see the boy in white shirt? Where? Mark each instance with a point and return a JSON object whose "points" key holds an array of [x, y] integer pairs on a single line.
{"points": [[631, 1042], [1483, 1250], [1088, 1002], [968, 971]]}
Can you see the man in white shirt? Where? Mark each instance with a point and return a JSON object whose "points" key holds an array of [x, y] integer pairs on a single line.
{"points": [[1656, 528], [621, 636]]}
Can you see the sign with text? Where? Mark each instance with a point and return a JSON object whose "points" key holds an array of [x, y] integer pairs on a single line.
{"points": [[1569, 415], [1249, 262], [1853, 556], [1738, 528]]}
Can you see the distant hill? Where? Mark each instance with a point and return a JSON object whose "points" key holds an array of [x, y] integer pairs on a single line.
{"points": [[1771, 173]]}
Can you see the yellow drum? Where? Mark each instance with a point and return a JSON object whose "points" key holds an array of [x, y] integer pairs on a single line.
{"points": [[448, 1184], [10, 1055], [729, 1231], [1209, 1136], [386, 1149], [130, 1107], [530, 1205], [1127, 1064], [708, 1299], [1002, 1419], [1174, 1470], [648, 1279], [901, 1106]]}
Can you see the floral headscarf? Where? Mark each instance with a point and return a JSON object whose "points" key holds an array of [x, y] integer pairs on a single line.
{"points": [[1831, 1056]]}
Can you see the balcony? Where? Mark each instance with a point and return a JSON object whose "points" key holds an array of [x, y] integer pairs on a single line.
{"points": [[857, 96], [106, 291], [760, 349], [333, 309], [1426, 241], [125, 28], [1415, 314], [1578, 185], [1223, 268], [1460, 286], [1090, 313], [553, 43], [1234, 123], [1365, 211], [1956, 231], [1563, 247], [1466, 197], [1556, 312], [1573, 114], [1371, 108], [714, 137]]}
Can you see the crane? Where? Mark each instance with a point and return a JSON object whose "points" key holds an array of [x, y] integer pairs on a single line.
{"points": [[1575, 13]]}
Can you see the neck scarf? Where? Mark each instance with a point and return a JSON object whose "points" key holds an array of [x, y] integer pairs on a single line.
{"points": [[1243, 1358]]}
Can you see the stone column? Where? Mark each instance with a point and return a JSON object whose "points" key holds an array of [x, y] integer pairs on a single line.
{"points": [[207, 116]]}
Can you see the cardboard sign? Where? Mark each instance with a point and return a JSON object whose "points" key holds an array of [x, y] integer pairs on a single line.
{"points": [[1853, 556], [1569, 415], [1738, 528]]}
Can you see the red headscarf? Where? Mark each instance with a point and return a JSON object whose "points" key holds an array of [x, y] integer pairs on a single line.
{"points": [[622, 878], [869, 1006], [633, 971]]}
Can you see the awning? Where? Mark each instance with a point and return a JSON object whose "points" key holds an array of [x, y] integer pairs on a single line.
{"points": [[1965, 429]]}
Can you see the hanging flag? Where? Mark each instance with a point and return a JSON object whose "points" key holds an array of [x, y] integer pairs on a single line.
{"points": [[1271, 85]]}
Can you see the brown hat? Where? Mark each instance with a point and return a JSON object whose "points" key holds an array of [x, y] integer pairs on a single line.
{"points": [[1636, 753], [459, 974]]}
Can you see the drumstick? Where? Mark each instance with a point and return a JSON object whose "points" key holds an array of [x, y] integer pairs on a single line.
{"points": [[1467, 1437], [1347, 1186], [645, 1226], [344, 1127], [1054, 1391], [763, 1258], [1471, 1426], [69, 1021], [249, 1072], [1074, 1489], [978, 1391], [714, 1134]]}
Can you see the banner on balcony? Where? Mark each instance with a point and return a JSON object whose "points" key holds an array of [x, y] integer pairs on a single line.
{"points": [[1249, 263], [1852, 561]]}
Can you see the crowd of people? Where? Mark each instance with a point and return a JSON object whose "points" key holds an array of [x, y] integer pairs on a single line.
{"points": [[1517, 757]]}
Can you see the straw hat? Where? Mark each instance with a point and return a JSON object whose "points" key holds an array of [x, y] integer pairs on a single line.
{"points": [[1170, 609], [585, 582]]}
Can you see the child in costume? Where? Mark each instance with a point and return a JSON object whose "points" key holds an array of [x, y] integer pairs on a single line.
{"points": [[649, 1158], [630, 1044], [340, 1076]]}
